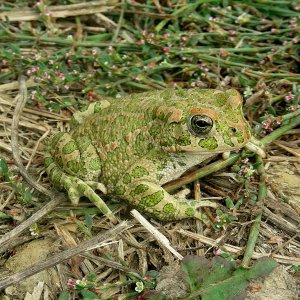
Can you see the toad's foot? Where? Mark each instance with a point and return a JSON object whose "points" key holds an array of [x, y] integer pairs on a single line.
{"points": [[77, 188]]}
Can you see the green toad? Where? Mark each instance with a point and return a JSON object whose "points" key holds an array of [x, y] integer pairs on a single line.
{"points": [[130, 146]]}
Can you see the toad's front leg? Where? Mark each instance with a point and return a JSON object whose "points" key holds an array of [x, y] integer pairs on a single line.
{"points": [[73, 165]]}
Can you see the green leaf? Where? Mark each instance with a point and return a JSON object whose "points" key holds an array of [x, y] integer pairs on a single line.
{"points": [[218, 279], [88, 220], [64, 295], [27, 196], [91, 277], [3, 167], [88, 295], [262, 267]]}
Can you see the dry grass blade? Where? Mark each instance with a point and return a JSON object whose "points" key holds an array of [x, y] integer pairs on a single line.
{"points": [[61, 11], [55, 199]]}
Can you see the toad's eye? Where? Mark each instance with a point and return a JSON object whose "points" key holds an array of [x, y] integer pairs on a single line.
{"points": [[200, 124]]}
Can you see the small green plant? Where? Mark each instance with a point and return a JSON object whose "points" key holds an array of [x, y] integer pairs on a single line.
{"points": [[221, 279], [91, 288], [223, 219], [21, 189]]}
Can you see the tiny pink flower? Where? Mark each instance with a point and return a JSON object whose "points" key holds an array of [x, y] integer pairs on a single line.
{"points": [[217, 251], [61, 76], [263, 86], [166, 50], [217, 219], [110, 48], [289, 97], [70, 282], [94, 52], [37, 4], [32, 97], [4, 61], [152, 64], [144, 33], [200, 83]]}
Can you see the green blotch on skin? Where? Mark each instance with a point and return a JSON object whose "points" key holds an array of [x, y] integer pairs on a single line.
{"points": [[83, 143], [139, 172], [69, 147], [239, 136], [48, 161], [73, 166], [55, 176], [95, 164], [120, 190], [183, 141], [167, 141], [141, 188], [169, 208], [154, 130], [84, 108], [227, 133], [152, 200], [126, 178], [97, 107], [74, 122], [227, 139], [209, 143], [190, 212], [82, 188], [59, 161], [220, 100], [56, 137]]}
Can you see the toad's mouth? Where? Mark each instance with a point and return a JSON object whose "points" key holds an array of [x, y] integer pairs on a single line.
{"points": [[202, 151]]}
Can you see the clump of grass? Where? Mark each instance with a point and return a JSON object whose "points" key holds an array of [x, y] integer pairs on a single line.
{"points": [[206, 43]]}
